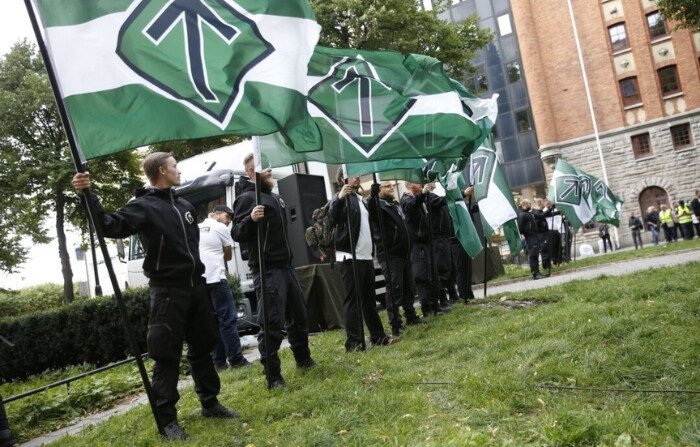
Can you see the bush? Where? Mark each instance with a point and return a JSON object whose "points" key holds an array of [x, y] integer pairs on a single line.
{"points": [[31, 300], [88, 331]]}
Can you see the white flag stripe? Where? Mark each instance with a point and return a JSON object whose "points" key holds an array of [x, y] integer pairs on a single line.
{"points": [[496, 208], [86, 61]]}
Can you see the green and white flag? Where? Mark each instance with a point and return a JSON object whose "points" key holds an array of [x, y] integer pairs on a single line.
{"points": [[380, 105], [582, 197], [136, 72]]}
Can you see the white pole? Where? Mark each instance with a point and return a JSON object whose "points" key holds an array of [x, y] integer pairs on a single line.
{"points": [[590, 106]]}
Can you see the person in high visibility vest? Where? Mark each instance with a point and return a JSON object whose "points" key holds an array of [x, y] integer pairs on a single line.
{"points": [[685, 220], [667, 224]]}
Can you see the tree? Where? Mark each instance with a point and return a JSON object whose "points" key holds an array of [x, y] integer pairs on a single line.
{"points": [[685, 12], [36, 166], [401, 26], [182, 149]]}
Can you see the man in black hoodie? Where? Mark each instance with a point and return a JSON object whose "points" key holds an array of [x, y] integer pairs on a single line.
{"points": [[529, 228], [359, 233], [393, 243], [286, 305], [180, 306]]}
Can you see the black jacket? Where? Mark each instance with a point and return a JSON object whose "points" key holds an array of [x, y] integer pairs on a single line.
{"points": [[167, 227], [338, 211], [440, 216], [395, 229], [527, 223], [695, 206], [244, 230], [415, 216], [635, 223], [541, 219]]}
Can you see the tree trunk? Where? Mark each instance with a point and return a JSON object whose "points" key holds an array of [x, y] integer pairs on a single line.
{"points": [[62, 249]]}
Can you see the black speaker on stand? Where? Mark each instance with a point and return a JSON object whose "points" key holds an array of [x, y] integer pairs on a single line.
{"points": [[302, 194]]}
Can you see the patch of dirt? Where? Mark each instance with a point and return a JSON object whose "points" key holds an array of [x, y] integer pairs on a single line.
{"points": [[511, 304]]}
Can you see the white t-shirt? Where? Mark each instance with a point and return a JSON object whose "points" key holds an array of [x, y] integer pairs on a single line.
{"points": [[363, 248], [213, 237]]}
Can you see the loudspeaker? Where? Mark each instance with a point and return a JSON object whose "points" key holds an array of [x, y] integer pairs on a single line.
{"points": [[302, 194]]}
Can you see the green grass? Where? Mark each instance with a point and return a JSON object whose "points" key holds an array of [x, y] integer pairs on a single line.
{"points": [[485, 363], [515, 271]]}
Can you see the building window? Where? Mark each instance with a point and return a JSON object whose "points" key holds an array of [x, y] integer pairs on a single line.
{"points": [[618, 37], [513, 70], [630, 91], [681, 136], [657, 25], [668, 79], [523, 119], [641, 145]]}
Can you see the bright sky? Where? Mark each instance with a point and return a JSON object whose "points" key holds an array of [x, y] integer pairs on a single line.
{"points": [[14, 24]]}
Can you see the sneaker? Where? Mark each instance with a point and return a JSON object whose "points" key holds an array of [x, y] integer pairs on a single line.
{"points": [[173, 432], [277, 382], [306, 363], [6, 438], [416, 320], [242, 363], [218, 411]]}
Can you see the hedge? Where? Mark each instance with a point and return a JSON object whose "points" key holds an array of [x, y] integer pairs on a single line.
{"points": [[89, 331], [31, 300]]}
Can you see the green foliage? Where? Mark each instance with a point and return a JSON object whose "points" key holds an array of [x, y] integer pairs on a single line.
{"points": [[234, 283], [89, 331], [685, 12], [401, 26], [182, 149], [30, 300], [472, 377]]}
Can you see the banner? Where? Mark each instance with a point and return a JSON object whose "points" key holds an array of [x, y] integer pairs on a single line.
{"points": [[136, 72]]}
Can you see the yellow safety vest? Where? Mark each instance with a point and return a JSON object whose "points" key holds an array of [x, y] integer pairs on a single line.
{"points": [[665, 217], [684, 214]]}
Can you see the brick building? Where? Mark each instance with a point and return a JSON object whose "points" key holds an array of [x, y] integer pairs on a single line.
{"points": [[644, 84]]}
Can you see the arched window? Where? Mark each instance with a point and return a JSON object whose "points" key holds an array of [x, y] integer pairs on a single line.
{"points": [[652, 196]]}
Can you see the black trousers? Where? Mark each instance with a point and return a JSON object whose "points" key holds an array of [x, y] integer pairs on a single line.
{"points": [[544, 249], [399, 291], [462, 267], [442, 254], [420, 259], [4, 425], [533, 252], [368, 300], [180, 314], [286, 311], [637, 238], [554, 246]]}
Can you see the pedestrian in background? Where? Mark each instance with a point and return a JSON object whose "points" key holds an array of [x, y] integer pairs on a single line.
{"points": [[651, 219], [635, 226]]}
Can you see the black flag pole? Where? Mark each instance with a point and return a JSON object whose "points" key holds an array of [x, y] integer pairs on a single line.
{"points": [[263, 285], [98, 287], [431, 255], [354, 268], [486, 260], [389, 280], [91, 211]]}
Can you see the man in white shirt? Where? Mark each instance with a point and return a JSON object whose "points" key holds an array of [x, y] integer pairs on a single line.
{"points": [[358, 235], [214, 250]]}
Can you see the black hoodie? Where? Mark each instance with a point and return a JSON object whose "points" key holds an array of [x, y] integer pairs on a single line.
{"points": [[395, 229], [244, 230], [167, 227]]}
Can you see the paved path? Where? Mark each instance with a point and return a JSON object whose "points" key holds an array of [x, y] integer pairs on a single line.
{"points": [[614, 269]]}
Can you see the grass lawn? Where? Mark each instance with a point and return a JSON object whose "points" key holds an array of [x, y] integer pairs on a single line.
{"points": [[474, 377], [515, 271]]}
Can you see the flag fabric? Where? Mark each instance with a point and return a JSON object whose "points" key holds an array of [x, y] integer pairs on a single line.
{"points": [[136, 72], [380, 105], [582, 197]]}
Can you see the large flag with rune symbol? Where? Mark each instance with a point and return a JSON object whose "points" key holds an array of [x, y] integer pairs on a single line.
{"points": [[380, 105], [582, 197], [136, 72]]}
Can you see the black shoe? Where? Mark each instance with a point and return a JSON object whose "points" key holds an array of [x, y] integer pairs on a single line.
{"points": [[416, 320], [242, 363], [218, 411], [397, 331], [384, 341], [6, 438], [354, 348], [306, 363], [173, 432], [538, 275], [277, 382], [220, 368]]}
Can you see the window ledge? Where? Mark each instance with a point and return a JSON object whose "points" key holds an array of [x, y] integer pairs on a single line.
{"points": [[650, 157], [672, 95], [660, 39], [623, 51], [634, 106], [684, 149]]}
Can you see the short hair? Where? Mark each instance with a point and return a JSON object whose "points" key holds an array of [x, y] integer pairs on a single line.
{"points": [[340, 176], [248, 158], [152, 164], [525, 202]]}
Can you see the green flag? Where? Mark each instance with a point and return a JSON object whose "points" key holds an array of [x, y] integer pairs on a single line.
{"points": [[380, 105], [136, 72], [582, 197]]}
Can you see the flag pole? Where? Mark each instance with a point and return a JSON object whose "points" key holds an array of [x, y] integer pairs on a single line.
{"points": [[389, 280], [91, 211], [590, 105], [263, 285], [354, 267], [486, 259], [433, 268]]}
